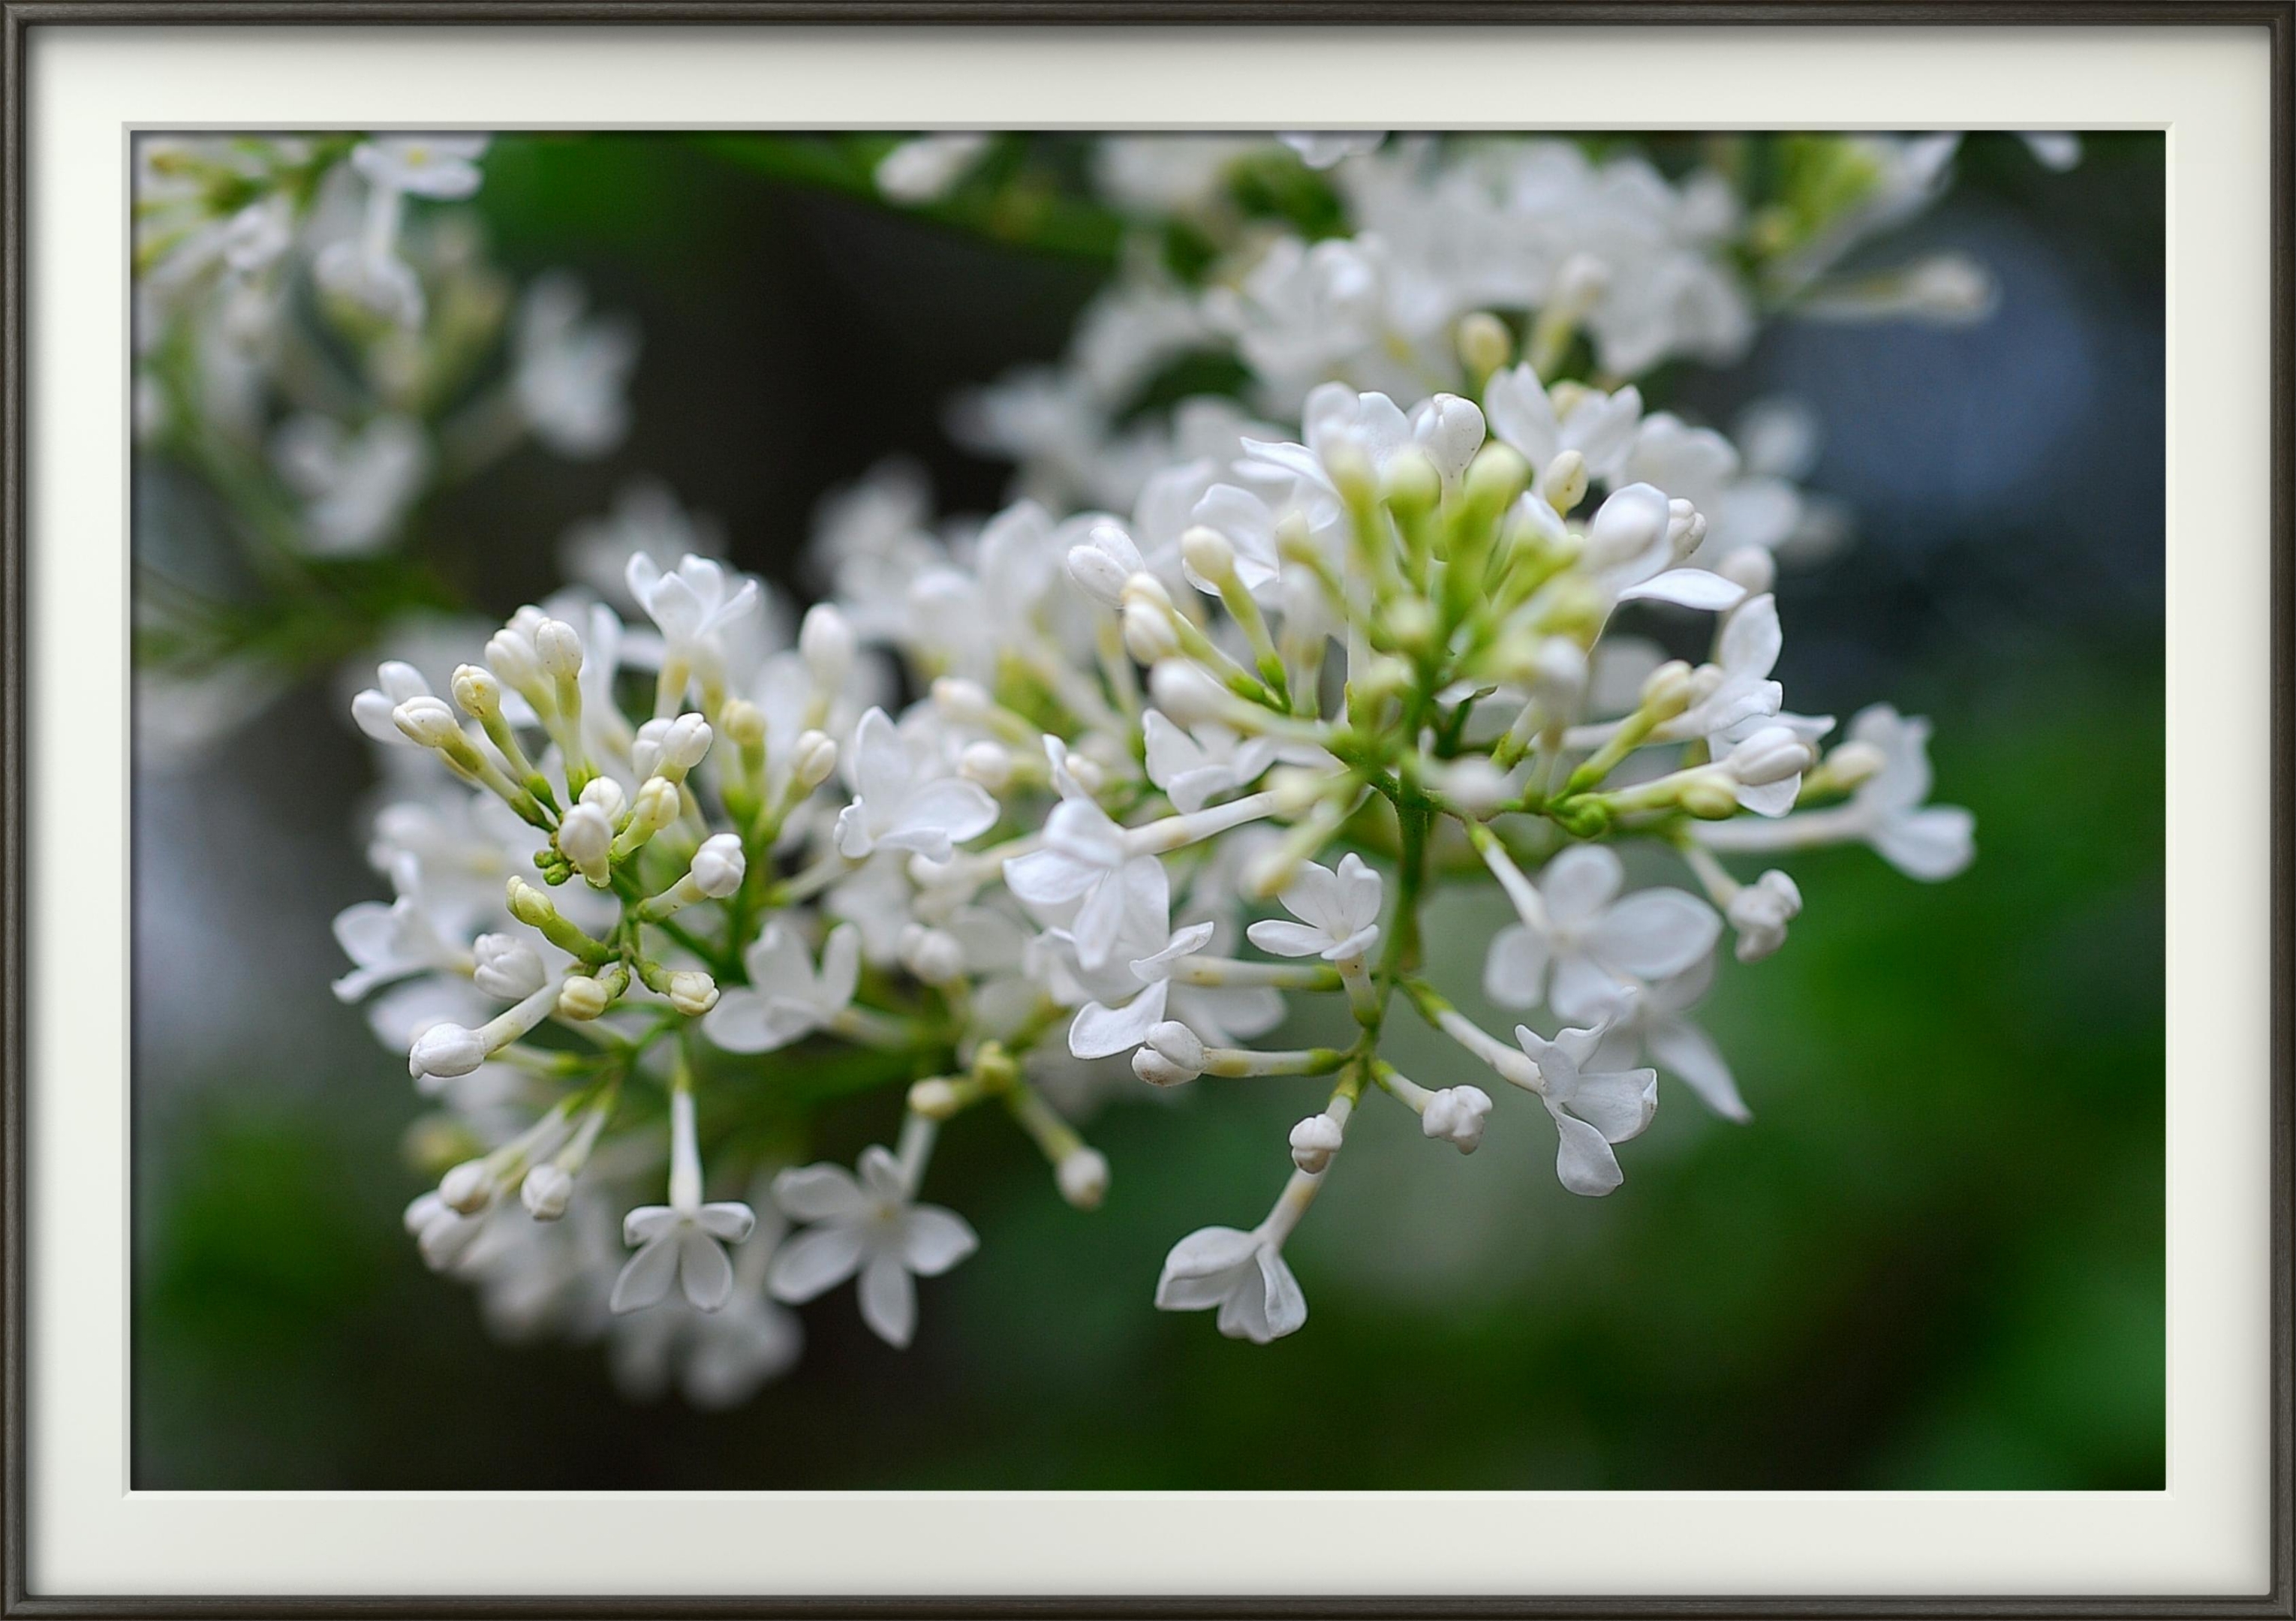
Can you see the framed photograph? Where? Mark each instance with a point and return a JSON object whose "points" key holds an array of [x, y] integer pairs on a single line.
{"points": [[836, 810]]}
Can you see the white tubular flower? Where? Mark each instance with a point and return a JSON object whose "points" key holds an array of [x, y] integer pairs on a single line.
{"points": [[871, 1227], [694, 605], [1656, 1026], [786, 1000], [1636, 537], [1760, 911], [395, 681], [356, 488], [1455, 1116], [904, 800], [925, 169], [568, 375], [1929, 842], [1592, 1109], [437, 166], [1922, 840], [1736, 690], [442, 1233], [506, 967], [1195, 766], [1338, 913], [1083, 879], [1103, 1031], [1598, 427], [1242, 1274], [683, 1239], [1595, 945], [391, 940]]}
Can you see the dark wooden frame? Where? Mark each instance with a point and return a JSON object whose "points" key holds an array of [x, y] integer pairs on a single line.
{"points": [[2278, 17]]}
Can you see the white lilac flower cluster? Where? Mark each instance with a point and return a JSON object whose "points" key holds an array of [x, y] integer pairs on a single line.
{"points": [[1569, 245], [316, 341], [664, 890]]}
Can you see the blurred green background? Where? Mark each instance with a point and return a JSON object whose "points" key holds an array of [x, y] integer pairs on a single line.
{"points": [[1934, 1260]]}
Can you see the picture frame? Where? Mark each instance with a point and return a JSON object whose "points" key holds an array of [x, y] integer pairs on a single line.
{"points": [[70, 1518]]}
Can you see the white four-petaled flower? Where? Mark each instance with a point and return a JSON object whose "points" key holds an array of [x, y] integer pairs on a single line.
{"points": [[873, 1226]]}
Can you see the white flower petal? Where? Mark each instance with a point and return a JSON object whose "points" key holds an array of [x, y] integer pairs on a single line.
{"points": [[815, 1260], [888, 1300], [1655, 934], [934, 1240]]}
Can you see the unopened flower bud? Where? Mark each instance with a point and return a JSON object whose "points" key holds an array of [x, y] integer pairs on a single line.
{"points": [[812, 758], [506, 967], [692, 992], [529, 905], [1709, 795], [1296, 788], [1770, 755], [1666, 690], [1411, 622], [558, 649], [654, 809], [1180, 1043], [719, 865], [1153, 1067], [1564, 484], [936, 1099], [1685, 529], [825, 643], [1186, 692], [1476, 786], [1314, 1141], [988, 763], [687, 742], [546, 1191], [585, 837], [1485, 344], [580, 996], [1412, 483], [477, 691], [1098, 575], [1150, 635], [605, 796], [511, 656], [1760, 911], [1350, 472], [965, 702], [1495, 478], [1082, 1177], [1854, 763], [743, 722], [1751, 568], [427, 720], [446, 1050], [1455, 1116], [468, 1187], [1209, 554]]}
